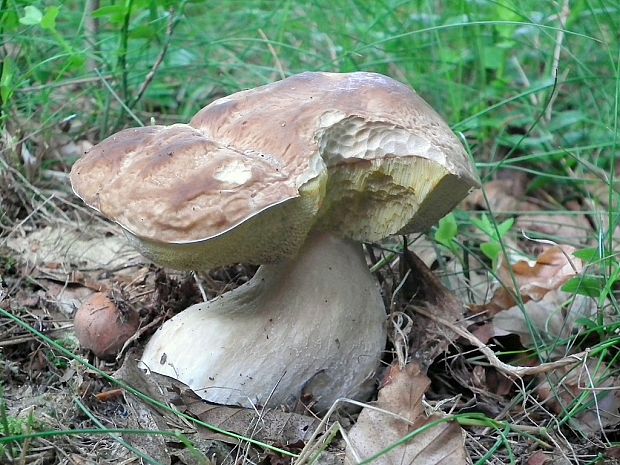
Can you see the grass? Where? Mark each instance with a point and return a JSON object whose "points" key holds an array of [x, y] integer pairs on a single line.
{"points": [[532, 88]]}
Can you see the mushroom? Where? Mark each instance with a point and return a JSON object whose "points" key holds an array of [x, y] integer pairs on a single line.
{"points": [[292, 176], [103, 327]]}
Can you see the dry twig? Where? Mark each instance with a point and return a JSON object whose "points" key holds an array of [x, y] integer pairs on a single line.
{"points": [[172, 22], [509, 370], [276, 60]]}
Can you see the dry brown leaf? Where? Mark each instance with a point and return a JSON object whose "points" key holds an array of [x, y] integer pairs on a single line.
{"points": [[503, 195], [487, 331], [613, 453], [552, 269], [374, 431], [565, 226], [548, 313], [74, 149], [597, 201], [548, 458], [550, 319], [68, 248], [67, 298], [561, 387], [140, 416], [431, 339], [425, 249], [490, 381], [270, 426], [598, 191], [538, 458]]}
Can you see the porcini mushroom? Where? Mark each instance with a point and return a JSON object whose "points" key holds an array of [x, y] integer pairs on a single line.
{"points": [[291, 175]]}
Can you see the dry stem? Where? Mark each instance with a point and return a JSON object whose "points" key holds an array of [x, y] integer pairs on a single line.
{"points": [[509, 370]]}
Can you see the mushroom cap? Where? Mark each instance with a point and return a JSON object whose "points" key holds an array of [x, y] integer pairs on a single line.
{"points": [[101, 326], [189, 202], [393, 165], [359, 154]]}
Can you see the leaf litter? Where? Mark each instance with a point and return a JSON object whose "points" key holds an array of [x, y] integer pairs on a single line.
{"points": [[399, 413], [65, 265], [530, 302]]}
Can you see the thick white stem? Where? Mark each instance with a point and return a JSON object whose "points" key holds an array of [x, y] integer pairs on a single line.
{"points": [[313, 326]]}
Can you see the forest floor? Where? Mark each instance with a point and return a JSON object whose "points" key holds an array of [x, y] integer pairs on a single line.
{"points": [[503, 319]]}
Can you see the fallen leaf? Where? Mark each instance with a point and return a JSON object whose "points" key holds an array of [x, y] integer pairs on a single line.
{"points": [[66, 247], [375, 430], [74, 149], [545, 321], [612, 453], [496, 383], [141, 416], [67, 298], [553, 267], [487, 331], [601, 196], [503, 194], [271, 426], [560, 388], [538, 458], [548, 314], [548, 458], [431, 339], [506, 196], [556, 225], [425, 249]]}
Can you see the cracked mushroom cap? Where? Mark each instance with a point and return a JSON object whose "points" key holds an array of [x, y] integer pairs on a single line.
{"points": [[360, 155]]}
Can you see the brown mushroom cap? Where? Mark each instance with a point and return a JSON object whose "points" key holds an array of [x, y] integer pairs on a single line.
{"points": [[394, 165], [173, 184], [103, 327], [314, 118], [357, 154], [174, 190]]}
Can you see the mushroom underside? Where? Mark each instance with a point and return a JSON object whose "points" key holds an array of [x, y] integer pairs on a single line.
{"points": [[310, 328]]}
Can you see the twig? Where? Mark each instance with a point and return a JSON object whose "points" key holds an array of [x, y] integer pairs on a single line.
{"points": [[509, 370], [137, 334], [21, 339], [119, 99], [273, 54], [172, 22], [559, 39]]}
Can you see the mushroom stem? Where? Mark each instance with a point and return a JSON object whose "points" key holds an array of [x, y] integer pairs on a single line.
{"points": [[311, 327]]}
